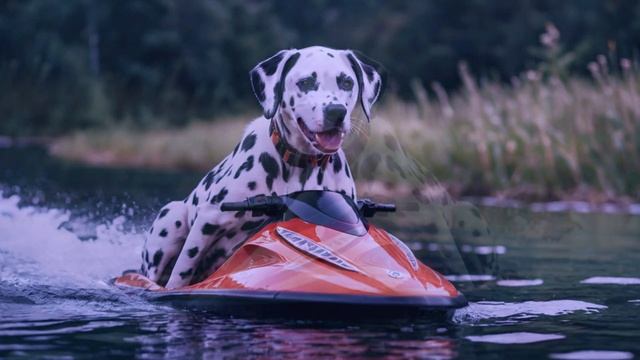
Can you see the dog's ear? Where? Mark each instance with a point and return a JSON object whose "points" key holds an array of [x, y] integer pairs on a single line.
{"points": [[369, 75], [267, 79]]}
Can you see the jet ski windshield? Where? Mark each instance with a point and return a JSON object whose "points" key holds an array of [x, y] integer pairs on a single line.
{"points": [[325, 208]]}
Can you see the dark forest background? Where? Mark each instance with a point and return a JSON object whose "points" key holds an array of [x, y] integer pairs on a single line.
{"points": [[77, 64]]}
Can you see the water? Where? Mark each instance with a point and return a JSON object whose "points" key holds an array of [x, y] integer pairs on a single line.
{"points": [[561, 285]]}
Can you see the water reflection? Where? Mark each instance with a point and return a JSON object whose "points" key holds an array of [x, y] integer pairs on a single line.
{"points": [[187, 334]]}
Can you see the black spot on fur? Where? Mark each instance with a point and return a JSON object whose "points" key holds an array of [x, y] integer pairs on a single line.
{"points": [[219, 196], [248, 142], [277, 89], [226, 173], [431, 228], [178, 224], [157, 257], [271, 65], [235, 150], [208, 180], [309, 83], [291, 101], [193, 252], [329, 54], [347, 171], [239, 214], [337, 164], [258, 86], [163, 233], [185, 274], [369, 70], [251, 185], [270, 166], [230, 234], [194, 200], [305, 174], [209, 229], [320, 175], [163, 212], [247, 165], [283, 104], [151, 230], [285, 172]]}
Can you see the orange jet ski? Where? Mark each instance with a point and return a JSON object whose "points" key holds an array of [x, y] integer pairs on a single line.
{"points": [[318, 255]]}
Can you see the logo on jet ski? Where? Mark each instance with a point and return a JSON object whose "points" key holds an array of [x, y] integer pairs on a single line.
{"points": [[314, 249], [394, 274], [407, 252]]}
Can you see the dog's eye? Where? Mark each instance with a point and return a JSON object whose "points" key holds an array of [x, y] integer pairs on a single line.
{"points": [[307, 84], [344, 82]]}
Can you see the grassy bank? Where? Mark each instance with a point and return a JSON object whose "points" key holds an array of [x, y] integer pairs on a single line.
{"points": [[539, 137]]}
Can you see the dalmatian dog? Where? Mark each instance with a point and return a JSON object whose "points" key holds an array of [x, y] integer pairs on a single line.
{"points": [[308, 96]]}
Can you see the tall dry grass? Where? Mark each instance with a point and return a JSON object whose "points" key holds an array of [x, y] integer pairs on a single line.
{"points": [[543, 135], [539, 135], [195, 147]]}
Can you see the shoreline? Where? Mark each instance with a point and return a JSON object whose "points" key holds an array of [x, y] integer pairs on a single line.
{"points": [[577, 201]]}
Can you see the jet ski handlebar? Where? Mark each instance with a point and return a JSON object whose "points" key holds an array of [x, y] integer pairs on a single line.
{"points": [[369, 208], [276, 205], [267, 205]]}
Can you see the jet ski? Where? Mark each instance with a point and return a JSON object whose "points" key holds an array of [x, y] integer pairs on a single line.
{"points": [[319, 254]]}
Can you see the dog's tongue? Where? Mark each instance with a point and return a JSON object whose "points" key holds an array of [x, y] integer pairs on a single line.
{"points": [[330, 140]]}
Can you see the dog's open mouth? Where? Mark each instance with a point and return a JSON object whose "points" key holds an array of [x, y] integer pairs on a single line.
{"points": [[326, 141]]}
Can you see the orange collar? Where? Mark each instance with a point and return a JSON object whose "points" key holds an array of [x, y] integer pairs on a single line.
{"points": [[290, 155]]}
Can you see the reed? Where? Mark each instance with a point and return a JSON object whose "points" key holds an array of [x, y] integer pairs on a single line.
{"points": [[542, 135]]}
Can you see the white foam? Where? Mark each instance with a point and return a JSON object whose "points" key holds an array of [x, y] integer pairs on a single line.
{"points": [[35, 245], [593, 355], [611, 280], [470, 277], [520, 282], [635, 301], [515, 338], [505, 311]]}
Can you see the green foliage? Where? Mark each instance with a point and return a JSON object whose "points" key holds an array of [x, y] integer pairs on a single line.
{"points": [[78, 64]]}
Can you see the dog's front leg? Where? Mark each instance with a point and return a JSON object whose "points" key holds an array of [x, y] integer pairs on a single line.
{"points": [[206, 230], [164, 241]]}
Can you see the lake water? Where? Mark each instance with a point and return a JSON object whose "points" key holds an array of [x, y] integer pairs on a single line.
{"points": [[547, 285]]}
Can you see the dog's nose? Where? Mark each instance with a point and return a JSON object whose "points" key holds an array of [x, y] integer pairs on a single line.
{"points": [[334, 115]]}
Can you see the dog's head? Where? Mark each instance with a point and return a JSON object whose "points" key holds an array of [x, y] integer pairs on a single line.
{"points": [[311, 93]]}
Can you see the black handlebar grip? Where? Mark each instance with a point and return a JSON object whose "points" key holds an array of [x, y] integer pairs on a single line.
{"points": [[234, 206], [386, 207]]}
